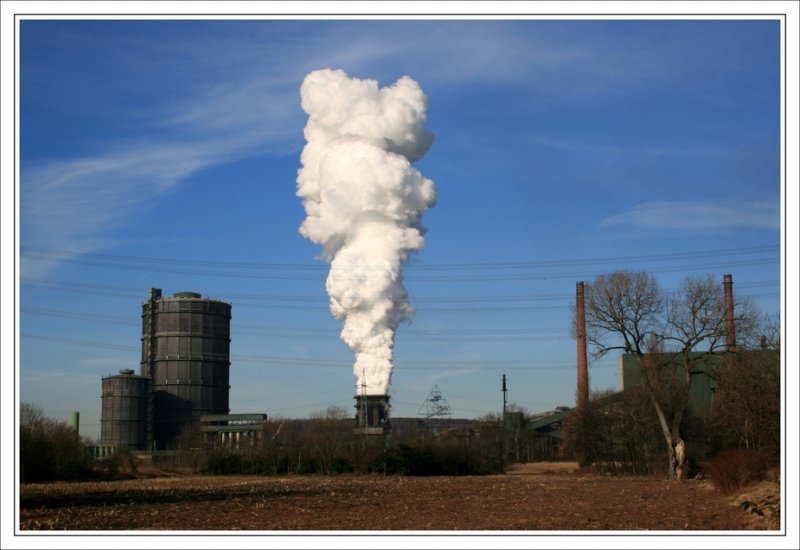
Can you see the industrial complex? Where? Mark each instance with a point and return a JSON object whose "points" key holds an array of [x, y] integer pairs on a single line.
{"points": [[184, 382]]}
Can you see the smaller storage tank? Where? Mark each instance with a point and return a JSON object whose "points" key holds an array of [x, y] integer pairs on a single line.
{"points": [[124, 413]]}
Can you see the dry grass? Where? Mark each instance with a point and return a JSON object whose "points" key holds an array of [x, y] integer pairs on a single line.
{"points": [[544, 468], [761, 502]]}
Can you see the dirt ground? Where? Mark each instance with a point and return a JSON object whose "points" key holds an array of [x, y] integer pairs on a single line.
{"points": [[534, 497]]}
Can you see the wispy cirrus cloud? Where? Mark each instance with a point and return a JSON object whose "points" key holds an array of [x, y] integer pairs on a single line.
{"points": [[74, 205], [698, 215]]}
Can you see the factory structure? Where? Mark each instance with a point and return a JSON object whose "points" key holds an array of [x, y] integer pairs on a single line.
{"points": [[544, 431], [183, 380]]}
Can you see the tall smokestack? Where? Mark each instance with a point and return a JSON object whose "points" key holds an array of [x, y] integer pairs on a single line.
{"points": [[730, 335], [580, 329], [372, 415]]}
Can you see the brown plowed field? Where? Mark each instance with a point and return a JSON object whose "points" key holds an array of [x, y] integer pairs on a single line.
{"points": [[553, 497]]}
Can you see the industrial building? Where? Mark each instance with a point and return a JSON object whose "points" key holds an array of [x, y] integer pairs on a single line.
{"points": [[185, 374], [123, 422], [372, 415], [545, 431], [186, 354], [233, 430], [184, 381]]}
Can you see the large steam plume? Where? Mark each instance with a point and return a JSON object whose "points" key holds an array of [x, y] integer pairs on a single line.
{"points": [[365, 202]]}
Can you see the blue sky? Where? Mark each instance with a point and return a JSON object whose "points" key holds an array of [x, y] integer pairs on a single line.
{"points": [[164, 154]]}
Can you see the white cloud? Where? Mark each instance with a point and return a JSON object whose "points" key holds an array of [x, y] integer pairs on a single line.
{"points": [[68, 205], [234, 111], [697, 215]]}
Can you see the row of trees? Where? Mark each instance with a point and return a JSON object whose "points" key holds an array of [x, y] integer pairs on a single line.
{"points": [[325, 443], [49, 449], [675, 337]]}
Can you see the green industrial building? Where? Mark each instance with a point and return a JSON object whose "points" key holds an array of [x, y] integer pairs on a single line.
{"points": [[544, 431]]}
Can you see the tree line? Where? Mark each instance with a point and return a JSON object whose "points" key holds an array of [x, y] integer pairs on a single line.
{"points": [[49, 449], [324, 443], [672, 338]]}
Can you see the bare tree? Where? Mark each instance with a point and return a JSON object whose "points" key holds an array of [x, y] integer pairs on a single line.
{"points": [[330, 433], [747, 406], [770, 333], [672, 336], [624, 311], [49, 449], [747, 399], [623, 305], [629, 306], [695, 330]]}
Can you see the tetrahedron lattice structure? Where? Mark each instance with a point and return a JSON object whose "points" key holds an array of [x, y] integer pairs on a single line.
{"points": [[435, 405]]}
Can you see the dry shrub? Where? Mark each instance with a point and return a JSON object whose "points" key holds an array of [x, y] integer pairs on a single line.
{"points": [[762, 501], [732, 469]]}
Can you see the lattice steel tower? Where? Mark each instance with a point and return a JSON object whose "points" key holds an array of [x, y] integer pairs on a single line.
{"points": [[435, 405]]}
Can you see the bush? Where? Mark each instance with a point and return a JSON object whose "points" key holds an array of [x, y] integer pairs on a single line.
{"points": [[747, 404], [50, 450], [224, 462], [733, 469], [432, 459], [341, 465], [402, 460], [308, 465], [116, 466]]}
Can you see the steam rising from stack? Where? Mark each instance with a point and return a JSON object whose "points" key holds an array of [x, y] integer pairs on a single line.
{"points": [[365, 202]]}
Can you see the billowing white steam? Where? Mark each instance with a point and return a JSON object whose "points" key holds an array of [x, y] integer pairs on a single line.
{"points": [[365, 202]]}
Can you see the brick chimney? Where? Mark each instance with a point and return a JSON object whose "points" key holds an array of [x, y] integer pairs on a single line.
{"points": [[730, 335], [580, 329]]}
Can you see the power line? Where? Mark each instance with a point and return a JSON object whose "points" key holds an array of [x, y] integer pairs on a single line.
{"points": [[304, 332], [591, 274], [322, 300], [83, 343], [332, 363], [268, 270], [77, 315], [62, 255], [603, 260]]}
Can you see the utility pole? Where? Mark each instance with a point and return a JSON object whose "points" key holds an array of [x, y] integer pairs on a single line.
{"points": [[504, 435], [505, 391], [580, 329]]}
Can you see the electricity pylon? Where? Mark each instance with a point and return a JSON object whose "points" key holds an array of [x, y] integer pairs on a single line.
{"points": [[435, 405]]}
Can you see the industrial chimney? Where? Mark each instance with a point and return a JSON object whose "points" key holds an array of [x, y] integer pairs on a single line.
{"points": [[372, 415], [580, 329], [730, 335]]}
